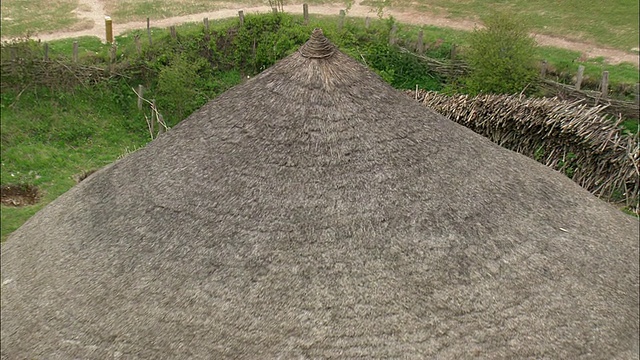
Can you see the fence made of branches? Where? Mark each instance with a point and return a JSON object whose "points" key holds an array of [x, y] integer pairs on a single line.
{"points": [[28, 63], [627, 109], [572, 137]]}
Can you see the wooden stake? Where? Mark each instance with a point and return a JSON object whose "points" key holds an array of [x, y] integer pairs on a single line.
{"points": [[367, 22], [46, 51], [114, 50], [341, 21], [454, 51], [543, 69], [75, 51], [392, 34], [172, 30], [140, 95], [149, 32], [241, 16], [605, 84], [108, 25], [579, 77], [206, 25], [420, 44], [138, 46], [161, 128], [305, 13], [153, 117]]}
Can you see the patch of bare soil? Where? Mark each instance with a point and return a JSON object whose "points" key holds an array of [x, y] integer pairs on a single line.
{"points": [[19, 195], [94, 11]]}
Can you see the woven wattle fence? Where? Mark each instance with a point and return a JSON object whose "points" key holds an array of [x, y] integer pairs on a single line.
{"points": [[577, 139]]}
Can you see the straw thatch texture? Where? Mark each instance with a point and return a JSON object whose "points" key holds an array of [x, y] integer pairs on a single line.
{"points": [[602, 158], [314, 212]]}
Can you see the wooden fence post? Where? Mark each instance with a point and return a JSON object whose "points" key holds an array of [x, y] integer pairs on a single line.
{"points": [[109, 28], [138, 46], [367, 22], [14, 53], [149, 32], [392, 34], [46, 51], [420, 43], [113, 52], [153, 117], [172, 30], [75, 51], [605, 84], [454, 51], [160, 124], [579, 76], [543, 69], [140, 95], [305, 13], [342, 16], [207, 35], [241, 16]]}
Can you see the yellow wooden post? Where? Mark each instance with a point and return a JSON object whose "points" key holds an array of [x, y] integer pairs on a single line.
{"points": [[108, 25]]}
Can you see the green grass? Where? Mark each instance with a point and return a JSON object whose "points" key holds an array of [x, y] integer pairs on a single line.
{"points": [[48, 137], [613, 23], [23, 17], [138, 10], [568, 61]]}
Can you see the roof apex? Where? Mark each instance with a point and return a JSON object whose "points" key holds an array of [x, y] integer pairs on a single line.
{"points": [[318, 46]]}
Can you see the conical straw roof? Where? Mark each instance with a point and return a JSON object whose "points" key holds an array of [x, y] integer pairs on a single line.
{"points": [[315, 212]]}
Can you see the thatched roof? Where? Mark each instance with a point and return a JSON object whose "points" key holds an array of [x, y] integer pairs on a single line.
{"points": [[314, 212]]}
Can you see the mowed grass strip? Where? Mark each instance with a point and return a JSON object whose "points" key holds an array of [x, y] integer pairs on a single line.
{"points": [[27, 17], [612, 23], [138, 10]]}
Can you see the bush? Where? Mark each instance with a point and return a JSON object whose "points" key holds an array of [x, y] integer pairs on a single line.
{"points": [[176, 89], [502, 57]]}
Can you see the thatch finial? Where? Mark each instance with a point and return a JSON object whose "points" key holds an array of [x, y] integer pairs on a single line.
{"points": [[318, 46]]}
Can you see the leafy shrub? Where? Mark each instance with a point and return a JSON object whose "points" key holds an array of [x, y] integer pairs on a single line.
{"points": [[176, 89], [265, 39], [502, 57]]}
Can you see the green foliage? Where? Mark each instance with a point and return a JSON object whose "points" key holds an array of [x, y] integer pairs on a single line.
{"points": [[400, 69], [502, 57], [176, 89], [265, 39], [48, 136]]}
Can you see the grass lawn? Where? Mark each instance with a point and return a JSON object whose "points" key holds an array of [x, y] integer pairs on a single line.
{"points": [[137, 10], [612, 23], [22, 17], [64, 135]]}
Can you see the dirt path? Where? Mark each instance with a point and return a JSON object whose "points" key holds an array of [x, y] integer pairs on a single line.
{"points": [[96, 14]]}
